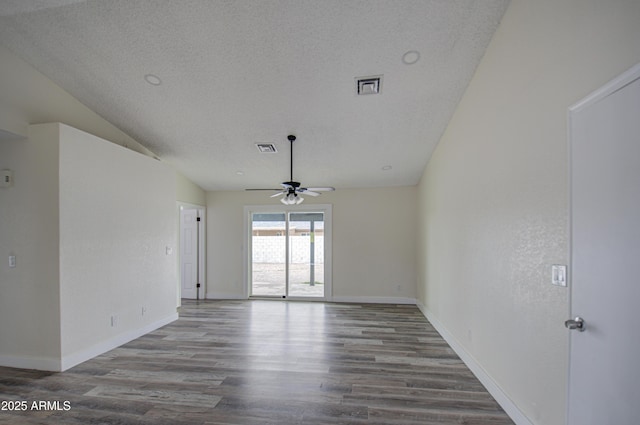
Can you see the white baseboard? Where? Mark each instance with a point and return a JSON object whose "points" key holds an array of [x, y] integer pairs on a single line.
{"points": [[225, 296], [494, 389], [78, 357], [55, 364], [31, 362], [374, 300], [357, 299]]}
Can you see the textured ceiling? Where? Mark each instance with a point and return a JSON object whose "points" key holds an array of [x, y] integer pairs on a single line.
{"points": [[237, 73]]}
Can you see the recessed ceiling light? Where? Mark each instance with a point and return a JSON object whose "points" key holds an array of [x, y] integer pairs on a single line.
{"points": [[387, 168], [411, 57], [154, 80]]}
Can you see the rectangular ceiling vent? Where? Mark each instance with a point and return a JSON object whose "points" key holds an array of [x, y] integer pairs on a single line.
{"points": [[266, 147], [368, 85]]}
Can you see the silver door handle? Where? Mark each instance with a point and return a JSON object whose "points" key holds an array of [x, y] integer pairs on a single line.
{"points": [[573, 324]]}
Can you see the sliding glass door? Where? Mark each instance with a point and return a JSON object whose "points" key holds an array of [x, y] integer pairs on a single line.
{"points": [[306, 254], [287, 255], [268, 243]]}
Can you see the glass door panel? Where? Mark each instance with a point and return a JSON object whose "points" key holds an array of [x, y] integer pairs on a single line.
{"points": [[268, 254], [306, 254]]}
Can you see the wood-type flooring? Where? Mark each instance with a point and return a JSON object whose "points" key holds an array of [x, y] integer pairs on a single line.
{"points": [[264, 363]]}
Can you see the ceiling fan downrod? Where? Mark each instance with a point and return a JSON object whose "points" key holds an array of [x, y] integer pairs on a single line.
{"points": [[292, 139], [291, 197]]}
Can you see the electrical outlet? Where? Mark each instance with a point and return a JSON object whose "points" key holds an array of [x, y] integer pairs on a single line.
{"points": [[6, 178]]}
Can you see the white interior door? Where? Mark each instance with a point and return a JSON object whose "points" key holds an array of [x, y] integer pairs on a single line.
{"points": [[604, 372], [188, 253]]}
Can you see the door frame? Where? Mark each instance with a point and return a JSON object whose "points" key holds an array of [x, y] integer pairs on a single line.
{"points": [[202, 246], [594, 97], [326, 209]]}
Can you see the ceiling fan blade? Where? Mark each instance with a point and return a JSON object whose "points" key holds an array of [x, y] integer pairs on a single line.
{"points": [[321, 189], [265, 189], [280, 193], [310, 193]]}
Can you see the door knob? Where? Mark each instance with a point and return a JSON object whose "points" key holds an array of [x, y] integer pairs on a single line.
{"points": [[573, 324]]}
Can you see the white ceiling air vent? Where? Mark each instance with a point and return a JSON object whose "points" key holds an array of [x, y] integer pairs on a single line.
{"points": [[266, 147], [369, 85]]}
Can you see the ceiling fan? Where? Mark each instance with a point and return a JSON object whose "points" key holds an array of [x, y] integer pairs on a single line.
{"points": [[290, 190]]}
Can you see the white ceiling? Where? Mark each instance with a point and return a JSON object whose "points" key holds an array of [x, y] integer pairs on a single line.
{"points": [[237, 73]]}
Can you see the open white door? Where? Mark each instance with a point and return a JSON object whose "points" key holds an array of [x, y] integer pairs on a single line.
{"points": [[604, 376]]}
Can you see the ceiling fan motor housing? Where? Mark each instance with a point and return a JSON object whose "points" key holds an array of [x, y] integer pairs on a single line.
{"points": [[294, 185]]}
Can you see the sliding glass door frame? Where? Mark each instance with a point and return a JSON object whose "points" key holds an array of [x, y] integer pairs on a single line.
{"points": [[250, 210]]}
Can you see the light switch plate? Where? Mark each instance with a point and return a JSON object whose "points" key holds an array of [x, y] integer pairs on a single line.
{"points": [[559, 274]]}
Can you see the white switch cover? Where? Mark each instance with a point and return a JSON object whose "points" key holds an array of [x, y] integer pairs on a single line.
{"points": [[12, 261], [559, 275]]}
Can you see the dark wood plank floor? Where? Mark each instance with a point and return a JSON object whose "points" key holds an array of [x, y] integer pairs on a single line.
{"points": [[266, 362]]}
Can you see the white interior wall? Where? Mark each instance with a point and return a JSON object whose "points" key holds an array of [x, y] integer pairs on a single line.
{"points": [[29, 293], [30, 300], [493, 209], [117, 219], [373, 242], [28, 97], [188, 192], [89, 223]]}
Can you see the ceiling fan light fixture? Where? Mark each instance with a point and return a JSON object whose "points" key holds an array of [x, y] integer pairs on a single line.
{"points": [[291, 199]]}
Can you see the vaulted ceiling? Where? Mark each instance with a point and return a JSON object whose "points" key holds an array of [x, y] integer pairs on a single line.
{"points": [[200, 83]]}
